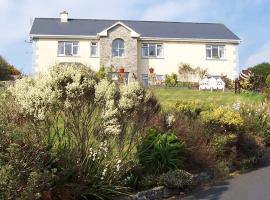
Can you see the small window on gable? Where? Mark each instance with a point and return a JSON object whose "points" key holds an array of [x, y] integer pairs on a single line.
{"points": [[94, 49]]}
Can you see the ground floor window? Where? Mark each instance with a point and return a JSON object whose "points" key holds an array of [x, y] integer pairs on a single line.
{"points": [[152, 50]]}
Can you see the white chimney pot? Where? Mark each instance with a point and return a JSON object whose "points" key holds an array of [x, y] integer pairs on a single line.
{"points": [[64, 16]]}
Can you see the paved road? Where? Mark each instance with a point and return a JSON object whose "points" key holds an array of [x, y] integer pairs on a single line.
{"points": [[254, 185]]}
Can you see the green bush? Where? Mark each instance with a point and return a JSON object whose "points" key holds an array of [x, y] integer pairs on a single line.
{"points": [[176, 179], [224, 142], [229, 83], [7, 70], [191, 108], [101, 74], [222, 118], [160, 152], [260, 71], [256, 121], [268, 81], [171, 80]]}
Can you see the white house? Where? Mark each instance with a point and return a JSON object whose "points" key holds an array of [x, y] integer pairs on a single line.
{"points": [[134, 45]]}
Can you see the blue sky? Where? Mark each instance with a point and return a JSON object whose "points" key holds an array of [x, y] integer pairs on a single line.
{"points": [[249, 19]]}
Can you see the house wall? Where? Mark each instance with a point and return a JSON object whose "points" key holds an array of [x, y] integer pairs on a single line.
{"points": [[130, 59], [191, 53], [45, 54], [174, 53]]}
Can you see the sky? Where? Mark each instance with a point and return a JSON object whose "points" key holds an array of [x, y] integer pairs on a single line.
{"points": [[248, 19]]}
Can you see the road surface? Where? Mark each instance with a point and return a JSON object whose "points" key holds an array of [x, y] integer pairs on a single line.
{"points": [[254, 185]]}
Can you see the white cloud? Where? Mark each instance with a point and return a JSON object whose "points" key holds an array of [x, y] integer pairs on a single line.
{"points": [[263, 55]]}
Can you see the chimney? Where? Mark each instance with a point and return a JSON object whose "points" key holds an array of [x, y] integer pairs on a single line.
{"points": [[64, 16]]}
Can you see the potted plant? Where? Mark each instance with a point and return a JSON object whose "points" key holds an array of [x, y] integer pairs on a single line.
{"points": [[121, 70], [151, 70]]}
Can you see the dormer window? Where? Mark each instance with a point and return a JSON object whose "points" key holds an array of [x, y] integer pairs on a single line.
{"points": [[118, 48]]}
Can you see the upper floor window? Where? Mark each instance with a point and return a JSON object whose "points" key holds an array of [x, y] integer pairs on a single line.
{"points": [[118, 48], [94, 49], [152, 50], [215, 51], [68, 48]]}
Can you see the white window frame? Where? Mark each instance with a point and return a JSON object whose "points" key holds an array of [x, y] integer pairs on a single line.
{"points": [[72, 48], [157, 45], [118, 48], [94, 44], [210, 47]]}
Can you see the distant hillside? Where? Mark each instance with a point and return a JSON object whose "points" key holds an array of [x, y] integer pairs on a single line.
{"points": [[7, 71]]}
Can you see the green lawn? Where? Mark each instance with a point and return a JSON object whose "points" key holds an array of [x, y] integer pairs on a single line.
{"points": [[169, 96]]}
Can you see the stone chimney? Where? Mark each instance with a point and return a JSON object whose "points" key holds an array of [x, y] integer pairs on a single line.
{"points": [[64, 16]]}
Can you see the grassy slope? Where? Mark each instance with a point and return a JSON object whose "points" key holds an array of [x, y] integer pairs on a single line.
{"points": [[169, 96]]}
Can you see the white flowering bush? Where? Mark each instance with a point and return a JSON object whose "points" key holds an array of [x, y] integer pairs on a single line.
{"points": [[92, 125]]}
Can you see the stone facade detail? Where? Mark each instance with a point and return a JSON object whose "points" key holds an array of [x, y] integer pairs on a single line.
{"points": [[130, 60]]}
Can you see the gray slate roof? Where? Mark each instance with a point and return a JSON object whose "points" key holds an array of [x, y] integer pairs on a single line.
{"points": [[90, 27]]}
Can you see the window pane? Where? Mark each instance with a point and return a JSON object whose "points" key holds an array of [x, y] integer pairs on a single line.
{"points": [[61, 48], [159, 50], [75, 43], [121, 43], [152, 50], [145, 52], [75, 50], [222, 52], [215, 52], [93, 50], [114, 52], [115, 44], [114, 76], [68, 48], [208, 53], [121, 52]]}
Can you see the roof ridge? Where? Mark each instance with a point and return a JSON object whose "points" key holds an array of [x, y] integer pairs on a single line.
{"points": [[130, 20]]}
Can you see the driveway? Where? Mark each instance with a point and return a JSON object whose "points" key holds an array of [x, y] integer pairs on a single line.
{"points": [[254, 185]]}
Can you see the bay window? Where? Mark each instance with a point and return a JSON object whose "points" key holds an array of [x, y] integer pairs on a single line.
{"points": [[215, 51], [152, 50], [68, 48]]}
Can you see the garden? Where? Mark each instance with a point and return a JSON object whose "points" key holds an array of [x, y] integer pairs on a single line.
{"points": [[74, 134]]}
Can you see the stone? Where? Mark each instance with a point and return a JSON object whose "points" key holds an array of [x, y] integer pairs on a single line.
{"points": [[130, 60]]}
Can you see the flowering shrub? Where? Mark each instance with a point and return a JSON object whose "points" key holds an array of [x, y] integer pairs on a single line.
{"points": [[171, 80], [191, 108], [222, 118], [256, 120], [224, 142], [90, 126], [176, 179], [161, 152]]}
